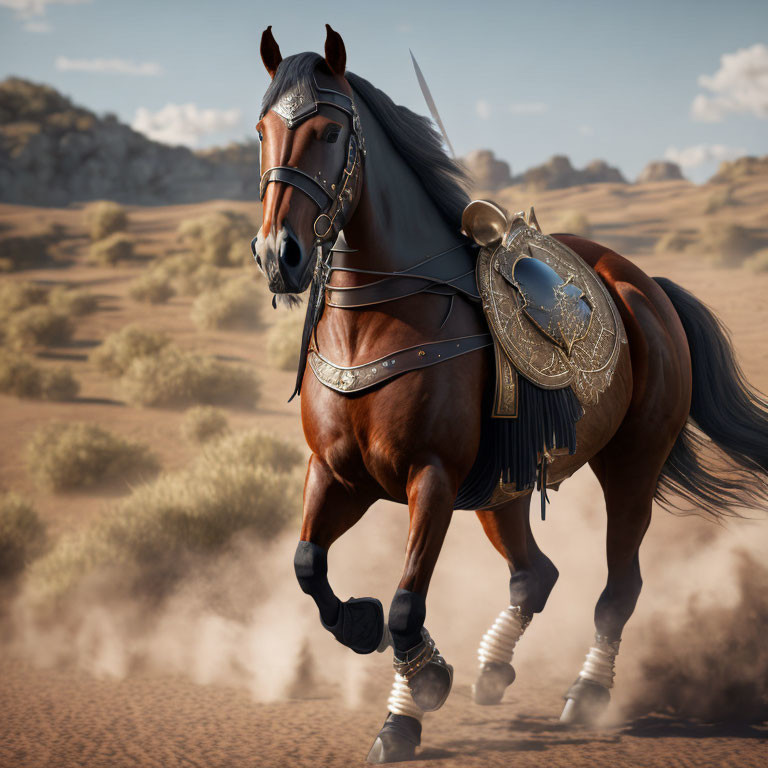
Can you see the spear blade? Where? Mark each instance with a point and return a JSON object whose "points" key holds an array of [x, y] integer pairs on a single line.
{"points": [[430, 101]]}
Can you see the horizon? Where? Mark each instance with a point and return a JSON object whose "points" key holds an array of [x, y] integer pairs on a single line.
{"points": [[680, 82]]}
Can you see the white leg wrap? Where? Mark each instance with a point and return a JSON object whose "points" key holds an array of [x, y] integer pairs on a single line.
{"points": [[498, 643], [401, 702], [599, 665]]}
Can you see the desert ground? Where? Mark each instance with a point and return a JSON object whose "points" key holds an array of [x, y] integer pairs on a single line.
{"points": [[117, 681]]}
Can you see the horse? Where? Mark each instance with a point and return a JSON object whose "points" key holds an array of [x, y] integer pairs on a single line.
{"points": [[361, 202]]}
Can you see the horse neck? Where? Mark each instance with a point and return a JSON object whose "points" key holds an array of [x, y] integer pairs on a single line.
{"points": [[396, 224]]}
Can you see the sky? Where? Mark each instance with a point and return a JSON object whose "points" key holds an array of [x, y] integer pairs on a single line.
{"points": [[628, 82]]}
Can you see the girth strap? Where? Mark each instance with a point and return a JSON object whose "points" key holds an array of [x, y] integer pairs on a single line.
{"points": [[357, 378]]}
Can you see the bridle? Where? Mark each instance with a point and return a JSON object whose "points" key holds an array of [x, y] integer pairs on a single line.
{"points": [[337, 203]]}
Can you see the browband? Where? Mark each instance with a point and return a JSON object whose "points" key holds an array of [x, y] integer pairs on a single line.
{"points": [[297, 105]]}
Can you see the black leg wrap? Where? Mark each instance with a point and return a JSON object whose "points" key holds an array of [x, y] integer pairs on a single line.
{"points": [[406, 618], [360, 625], [357, 623], [397, 740]]}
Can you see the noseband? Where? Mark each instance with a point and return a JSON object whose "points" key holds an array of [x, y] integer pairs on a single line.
{"points": [[336, 203]]}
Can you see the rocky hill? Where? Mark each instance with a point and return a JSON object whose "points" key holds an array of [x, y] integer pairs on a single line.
{"points": [[660, 170], [53, 152], [558, 173], [735, 170], [487, 171], [490, 173]]}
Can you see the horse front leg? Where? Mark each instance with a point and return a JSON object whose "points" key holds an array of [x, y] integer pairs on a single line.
{"points": [[330, 510], [423, 679]]}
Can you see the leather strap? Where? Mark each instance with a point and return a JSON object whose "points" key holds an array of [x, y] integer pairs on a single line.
{"points": [[296, 178], [358, 378], [356, 296]]}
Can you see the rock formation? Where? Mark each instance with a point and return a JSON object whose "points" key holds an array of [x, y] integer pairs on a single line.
{"points": [[53, 152], [660, 170], [558, 173], [487, 171]]}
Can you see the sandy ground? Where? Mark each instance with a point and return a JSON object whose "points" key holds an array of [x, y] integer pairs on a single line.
{"points": [[210, 694]]}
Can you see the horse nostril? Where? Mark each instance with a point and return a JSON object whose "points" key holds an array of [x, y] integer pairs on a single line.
{"points": [[290, 252]]}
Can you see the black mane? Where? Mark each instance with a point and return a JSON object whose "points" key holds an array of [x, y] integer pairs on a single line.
{"points": [[412, 135]]}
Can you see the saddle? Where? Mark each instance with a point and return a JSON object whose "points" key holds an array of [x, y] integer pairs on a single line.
{"points": [[551, 317]]}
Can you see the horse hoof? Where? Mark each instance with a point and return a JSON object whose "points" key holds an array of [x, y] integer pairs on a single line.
{"points": [[585, 702], [493, 680], [397, 740], [431, 685]]}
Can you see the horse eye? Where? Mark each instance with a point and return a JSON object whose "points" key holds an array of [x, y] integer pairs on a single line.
{"points": [[332, 135]]}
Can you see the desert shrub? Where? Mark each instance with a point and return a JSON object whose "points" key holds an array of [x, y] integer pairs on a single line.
{"points": [[38, 326], [120, 349], [720, 198], [205, 278], [575, 223], [727, 245], [758, 262], [233, 306], [671, 242], [163, 528], [203, 423], [22, 535], [284, 341], [110, 250], [255, 448], [15, 296], [153, 287], [24, 252], [72, 301], [63, 456], [173, 377], [58, 384], [20, 377], [105, 218], [221, 238]]}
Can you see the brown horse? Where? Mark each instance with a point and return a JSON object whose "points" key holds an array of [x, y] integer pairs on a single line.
{"points": [[337, 153]]}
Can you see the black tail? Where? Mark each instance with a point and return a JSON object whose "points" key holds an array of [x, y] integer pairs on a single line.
{"points": [[725, 409]]}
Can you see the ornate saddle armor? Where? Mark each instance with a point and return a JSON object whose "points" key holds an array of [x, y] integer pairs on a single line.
{"points": [[552, 318]]}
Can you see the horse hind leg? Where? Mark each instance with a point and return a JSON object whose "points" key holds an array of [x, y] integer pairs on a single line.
{"points": [[532, 577], [628, 490]]}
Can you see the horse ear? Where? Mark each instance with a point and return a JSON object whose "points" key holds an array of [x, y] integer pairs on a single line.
{"points": [[335, 52], [270, 51]]}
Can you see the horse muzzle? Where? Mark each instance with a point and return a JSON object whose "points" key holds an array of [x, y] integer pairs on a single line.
{"points": [[284, 262]]}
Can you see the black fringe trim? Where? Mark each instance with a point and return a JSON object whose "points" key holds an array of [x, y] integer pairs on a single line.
{"points": [[510, 448]]}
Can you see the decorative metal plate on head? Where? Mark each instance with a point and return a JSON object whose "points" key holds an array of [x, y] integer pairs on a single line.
{"points": [[553, 316]]}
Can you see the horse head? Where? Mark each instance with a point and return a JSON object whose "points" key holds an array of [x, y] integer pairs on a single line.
{"points": [[311, 159]]}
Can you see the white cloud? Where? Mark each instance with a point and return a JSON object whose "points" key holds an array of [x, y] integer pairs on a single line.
{"points": [[586, 130], [483, 109], [31, 13], [740, 86], [41, 27], [702, 154], [108, 66], [527, 108], [185, 123]]}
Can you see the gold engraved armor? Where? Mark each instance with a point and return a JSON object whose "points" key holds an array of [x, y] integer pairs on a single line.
{"points": [[579, 348]]}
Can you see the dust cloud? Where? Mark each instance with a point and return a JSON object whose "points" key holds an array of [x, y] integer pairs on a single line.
{"points": [[695, 646]]}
